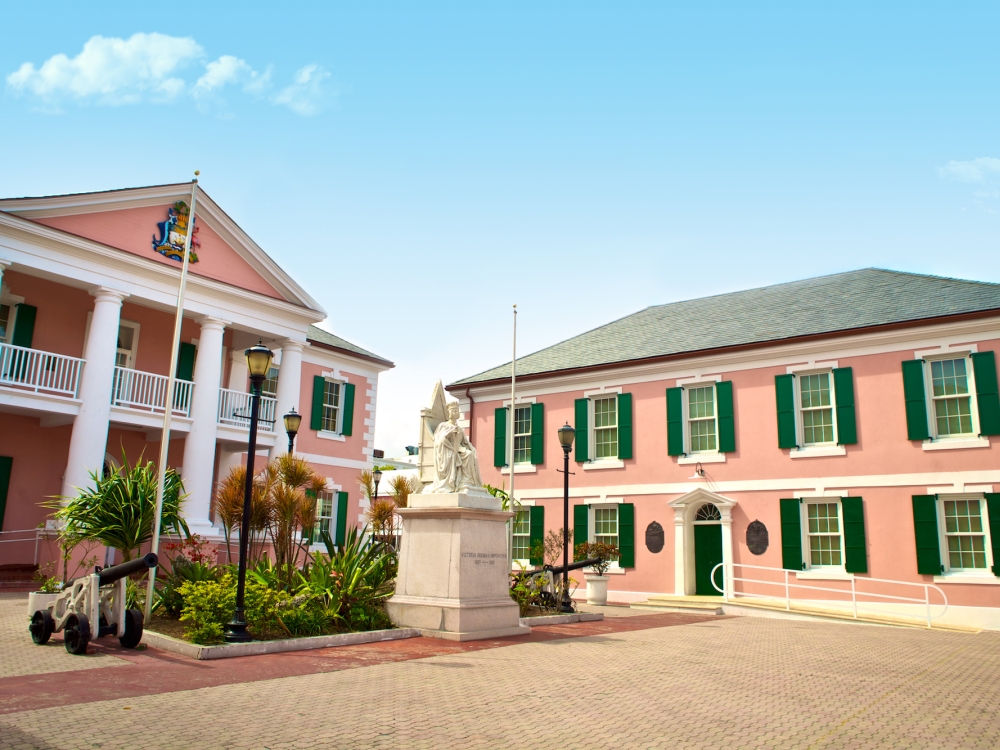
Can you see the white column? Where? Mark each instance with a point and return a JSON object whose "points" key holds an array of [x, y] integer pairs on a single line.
{"points": [[239, 373], [88, 443], [3, 265], [727, 551], [289, 383], [198, 467], [680, 552]]}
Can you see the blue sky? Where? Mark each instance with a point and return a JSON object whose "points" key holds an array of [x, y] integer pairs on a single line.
{"points": [[584, 160]]}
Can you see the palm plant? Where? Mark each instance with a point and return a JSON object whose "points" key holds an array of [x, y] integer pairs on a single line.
{"points": [[401, 487], [119, 511]]}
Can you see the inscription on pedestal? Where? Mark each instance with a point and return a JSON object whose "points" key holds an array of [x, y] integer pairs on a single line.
{"points": [[484, 558]]}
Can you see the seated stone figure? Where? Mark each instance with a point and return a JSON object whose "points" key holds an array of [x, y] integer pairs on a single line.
{"points": [[456, 465]]}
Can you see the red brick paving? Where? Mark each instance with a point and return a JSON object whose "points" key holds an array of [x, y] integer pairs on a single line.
{"points": [[154, 672]]}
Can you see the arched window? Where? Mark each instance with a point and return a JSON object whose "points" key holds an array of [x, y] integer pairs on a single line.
{"points": [[708, 512]]}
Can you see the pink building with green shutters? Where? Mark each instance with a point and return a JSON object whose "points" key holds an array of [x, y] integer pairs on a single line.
{"points": [[844, 428], [88, 288]]}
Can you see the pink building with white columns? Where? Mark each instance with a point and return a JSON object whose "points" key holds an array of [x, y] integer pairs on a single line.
{"points": [[845, 428], [86, 322]]}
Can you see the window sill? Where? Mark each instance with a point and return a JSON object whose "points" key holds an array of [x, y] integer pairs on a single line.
{"points": [[607, 463], [327, 435], [824, 575], [977, 578], [702, 458], [520, 469], [947, 444], [819, 450]]}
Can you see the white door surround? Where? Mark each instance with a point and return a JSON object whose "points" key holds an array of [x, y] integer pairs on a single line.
{"points": [[685, 509]]}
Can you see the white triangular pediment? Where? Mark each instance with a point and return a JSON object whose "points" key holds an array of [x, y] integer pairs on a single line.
{"points": [[699, 496]]}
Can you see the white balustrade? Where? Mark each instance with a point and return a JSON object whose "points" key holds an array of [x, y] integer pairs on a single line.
{"points": [[145, 391], [38, 371], [234, 410]]}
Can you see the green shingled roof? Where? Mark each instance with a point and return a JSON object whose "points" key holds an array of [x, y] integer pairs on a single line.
{"points": [[325, 337], [840, 302]]}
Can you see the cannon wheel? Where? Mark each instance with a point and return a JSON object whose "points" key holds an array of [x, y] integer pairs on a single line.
{"points": [[76, 634], [42, 626], [547, 599], [133, 629]]}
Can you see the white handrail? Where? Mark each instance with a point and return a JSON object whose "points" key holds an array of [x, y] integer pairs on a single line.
{"points": [[234, 410], [146, 391], [854, 593], [36, 538], [38, 371]]}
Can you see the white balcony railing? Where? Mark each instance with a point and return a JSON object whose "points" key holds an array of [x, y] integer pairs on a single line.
{"points": [[38, 371], [145, 391], [234, 409]]}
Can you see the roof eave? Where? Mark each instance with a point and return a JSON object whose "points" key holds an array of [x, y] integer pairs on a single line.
{"points": [[350, 353], [463, 386]]}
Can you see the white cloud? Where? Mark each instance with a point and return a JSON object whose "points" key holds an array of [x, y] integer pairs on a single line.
{"points": [[151, 68], [112, 71], [304, 95], [975, 170]]}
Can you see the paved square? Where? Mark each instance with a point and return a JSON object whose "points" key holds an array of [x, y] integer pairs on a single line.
{"points": [[644, 682]]}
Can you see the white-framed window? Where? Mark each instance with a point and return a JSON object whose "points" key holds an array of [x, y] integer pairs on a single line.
{"points": [[605, 431], [522, 434], [824, 532], [965, 531], [702, 426], [521, 537], [332, 401], [128, 344], [270, 385], [816, 404], [326, 509], [951, 398], [6, 322], [606, 525]]}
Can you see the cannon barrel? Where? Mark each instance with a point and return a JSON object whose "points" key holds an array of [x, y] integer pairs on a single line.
{"points": [[573, 566], [112, 574]]}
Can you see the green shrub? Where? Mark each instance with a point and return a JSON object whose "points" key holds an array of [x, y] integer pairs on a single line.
{"points": [[209, 605]]}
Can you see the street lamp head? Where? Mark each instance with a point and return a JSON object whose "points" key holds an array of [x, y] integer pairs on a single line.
{"points": [[258, 362], [292, 421], [377, 475], [566, 435]]}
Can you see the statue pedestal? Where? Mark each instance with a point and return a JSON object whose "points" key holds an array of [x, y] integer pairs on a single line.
{"points": [[453, 578]]}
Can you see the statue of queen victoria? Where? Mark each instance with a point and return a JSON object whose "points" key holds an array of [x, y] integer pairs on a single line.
{"points": [[448, 461]]}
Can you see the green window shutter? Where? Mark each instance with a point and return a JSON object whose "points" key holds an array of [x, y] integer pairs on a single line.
{"points": [[992, 510], [626, 535], [536, 529], [24, 326], [581, 405], [319, 391], [500, 437], [925, 532], [624, 426], [6, 464], [791, 534], [987, 396], [341, 519], [185, 362], [855, 549], [727, 416], [537, 434], [675, 421], [784, 394], [916, 404], [581, 534], [347, 421], [843, 394]]}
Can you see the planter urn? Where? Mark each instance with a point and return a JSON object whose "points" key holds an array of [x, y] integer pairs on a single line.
{"points": [[597, 590]]}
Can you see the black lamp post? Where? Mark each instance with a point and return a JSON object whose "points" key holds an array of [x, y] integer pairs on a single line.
{"points": [[566, 435], [292, 421], [258, 362], [377, 476]]}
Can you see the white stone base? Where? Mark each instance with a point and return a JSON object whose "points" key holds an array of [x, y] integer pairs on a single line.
{"points": [[452, 581]]}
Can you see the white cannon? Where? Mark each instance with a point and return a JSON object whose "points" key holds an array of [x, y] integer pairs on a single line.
{"points": [[97, 598]]}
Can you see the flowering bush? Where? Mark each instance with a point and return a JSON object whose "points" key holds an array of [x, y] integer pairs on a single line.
{"points": [[605, 554]]}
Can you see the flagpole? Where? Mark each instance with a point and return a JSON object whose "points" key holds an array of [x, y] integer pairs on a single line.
{"points": [[513, 421], [168, 403]]}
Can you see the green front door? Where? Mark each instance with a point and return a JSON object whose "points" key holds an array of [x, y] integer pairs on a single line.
{"points": [[707, 554]]}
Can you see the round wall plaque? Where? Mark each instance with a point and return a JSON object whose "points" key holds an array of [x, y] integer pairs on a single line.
{"points": [[654, 537], [757, 538]]}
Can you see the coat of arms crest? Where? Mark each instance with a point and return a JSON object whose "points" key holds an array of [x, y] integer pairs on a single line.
{"points": [[173, 233]]}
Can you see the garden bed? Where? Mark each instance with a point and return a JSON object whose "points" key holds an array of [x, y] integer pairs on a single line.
{"points": [[561, 619], [255, 648]]}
